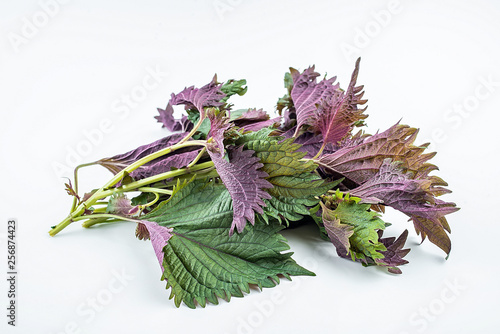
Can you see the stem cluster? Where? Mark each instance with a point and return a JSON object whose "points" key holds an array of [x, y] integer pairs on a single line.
{"points": [[80, 211]]}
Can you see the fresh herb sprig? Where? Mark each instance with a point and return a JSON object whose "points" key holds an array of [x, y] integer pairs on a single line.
{"points": [[215, 193]]}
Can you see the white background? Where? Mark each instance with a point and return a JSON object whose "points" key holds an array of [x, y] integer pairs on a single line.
{"points": [[62, 75]]}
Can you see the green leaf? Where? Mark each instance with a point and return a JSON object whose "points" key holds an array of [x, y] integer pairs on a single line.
{"points": [[233, 87], [313, 212], [142, 199], [364, 240], [286, 100], [282, 163], [280, 158], [262, 134], [295, 185], [287, 208], [204, 129], [202, 262], [305, 185]]}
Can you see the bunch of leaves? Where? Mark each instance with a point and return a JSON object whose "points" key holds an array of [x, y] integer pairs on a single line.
{"points": [[213, 195]]}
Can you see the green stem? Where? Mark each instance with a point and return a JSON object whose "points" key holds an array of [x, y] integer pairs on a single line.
{"points": [[99, 210], [195, 127], [319, 152], [200, 175], [92, 222], [133, 186], [155, 190], [157, 197], [197, 158], [99, 194], [100, 218], [75, 175]]}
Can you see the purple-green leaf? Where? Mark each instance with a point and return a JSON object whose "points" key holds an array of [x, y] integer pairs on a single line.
{"points": [[119, 205], [71, 191], [218, 126], [338, 233], [360, 157], [241, 175], [393, 187]]}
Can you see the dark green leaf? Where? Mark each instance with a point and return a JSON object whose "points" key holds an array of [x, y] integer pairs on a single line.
{"points": [[202, 262]]}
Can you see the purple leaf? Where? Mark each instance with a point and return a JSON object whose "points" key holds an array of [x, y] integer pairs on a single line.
{"points": [[166, 117], [393, 256], [240, 175], [245, 184], [159, 236], [118, 162], [253, 114], [86, 196], [254, 120], [337, 232], [307, 92], [164, 164], [199, 98], [414, 197], [335, 115], [71, 191], [311, 143], [218, 125]]}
